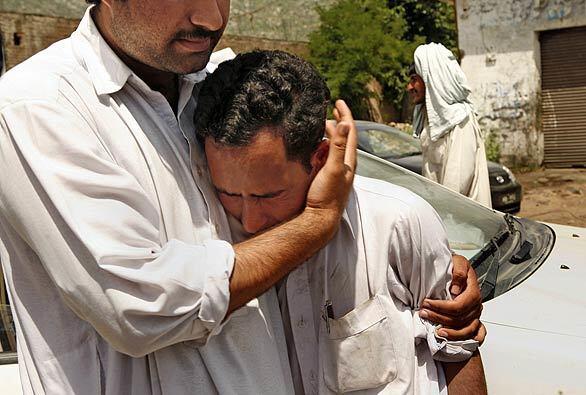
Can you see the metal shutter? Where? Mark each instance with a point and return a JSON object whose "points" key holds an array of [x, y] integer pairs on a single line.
{"points": [[563, 102]]}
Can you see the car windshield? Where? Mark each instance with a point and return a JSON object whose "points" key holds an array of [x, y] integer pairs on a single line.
{"points": [[387, 142], [486, 237]]}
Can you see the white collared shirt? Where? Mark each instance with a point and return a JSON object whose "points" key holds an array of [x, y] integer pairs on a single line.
{"points": [[392, 244], [110, 243]]}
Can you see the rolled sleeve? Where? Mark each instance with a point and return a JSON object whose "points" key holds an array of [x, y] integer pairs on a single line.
{"points": [[424, 260], [216, 291], [442, 349]]}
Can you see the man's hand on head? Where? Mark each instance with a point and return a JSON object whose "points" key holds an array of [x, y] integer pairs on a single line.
{"points": [[328, 193], [460, 317], [266, 258]]}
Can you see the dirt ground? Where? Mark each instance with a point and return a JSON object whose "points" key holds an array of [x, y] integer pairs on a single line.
{"points": [[554, 195]]}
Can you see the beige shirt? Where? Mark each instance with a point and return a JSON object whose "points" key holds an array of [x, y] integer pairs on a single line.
{"points": [[457, 160], [390, 253], [110, 242]]}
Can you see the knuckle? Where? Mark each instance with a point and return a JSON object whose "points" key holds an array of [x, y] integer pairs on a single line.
{"points": [[477, 300], [344, 124], [459, 308], [458, 276]]}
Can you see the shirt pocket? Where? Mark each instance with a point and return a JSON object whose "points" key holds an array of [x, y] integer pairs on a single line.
{"points": [[358, 352]]}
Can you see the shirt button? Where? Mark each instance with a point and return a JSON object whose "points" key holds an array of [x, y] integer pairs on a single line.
{"points": [[301, 323], [199, 171]]}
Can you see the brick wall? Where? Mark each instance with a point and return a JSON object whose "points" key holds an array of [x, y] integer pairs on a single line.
{"points": [[24, 35]]}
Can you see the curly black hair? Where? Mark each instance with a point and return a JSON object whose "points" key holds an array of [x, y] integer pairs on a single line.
{"points": [[264, 89]]}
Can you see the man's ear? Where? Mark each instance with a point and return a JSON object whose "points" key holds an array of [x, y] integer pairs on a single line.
{"points": [[319, 157]]}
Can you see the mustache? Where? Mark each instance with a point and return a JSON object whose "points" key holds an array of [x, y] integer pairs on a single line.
{"points": [[198, 32]]}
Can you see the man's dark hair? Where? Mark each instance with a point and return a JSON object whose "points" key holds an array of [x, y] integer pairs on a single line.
{"points": [[264, 89], [96, 2]]}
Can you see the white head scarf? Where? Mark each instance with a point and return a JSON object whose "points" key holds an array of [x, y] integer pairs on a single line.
{"points": [[446, 91]]}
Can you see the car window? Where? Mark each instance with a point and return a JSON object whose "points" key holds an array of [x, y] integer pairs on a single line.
{"points": [[473, 230], [389, 143], [469, 225]]}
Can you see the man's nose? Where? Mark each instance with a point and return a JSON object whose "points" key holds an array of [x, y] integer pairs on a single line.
{"points": [[253, 219], [208, 14]]}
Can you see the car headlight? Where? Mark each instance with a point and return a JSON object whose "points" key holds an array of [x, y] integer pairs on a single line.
{"points": [[510, 173]]}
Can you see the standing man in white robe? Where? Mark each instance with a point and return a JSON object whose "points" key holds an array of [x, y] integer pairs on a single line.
{"points": [[445, 121]]}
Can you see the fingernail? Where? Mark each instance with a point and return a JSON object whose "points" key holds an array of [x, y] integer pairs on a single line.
{"points": [[456, 289], [425, 305], [442, 333], [423, 314]]}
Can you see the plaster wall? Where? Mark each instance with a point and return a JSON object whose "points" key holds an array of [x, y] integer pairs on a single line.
{"points": [[499, 41]]}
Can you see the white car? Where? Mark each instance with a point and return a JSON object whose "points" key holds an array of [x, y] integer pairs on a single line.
{"points": [[531, 277]]}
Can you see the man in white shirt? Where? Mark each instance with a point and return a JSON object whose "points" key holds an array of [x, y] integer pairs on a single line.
{"points": [[351, 313], [115, 250], [445, 120]]}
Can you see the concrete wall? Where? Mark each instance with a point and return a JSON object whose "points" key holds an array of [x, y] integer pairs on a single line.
{"points": [[499, 40]]}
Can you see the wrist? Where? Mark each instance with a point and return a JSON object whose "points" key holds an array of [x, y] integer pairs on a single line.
{"points": [[323, 220]]}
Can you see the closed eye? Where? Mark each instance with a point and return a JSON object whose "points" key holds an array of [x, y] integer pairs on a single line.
{"points": [[268, 195], [226, 193]]}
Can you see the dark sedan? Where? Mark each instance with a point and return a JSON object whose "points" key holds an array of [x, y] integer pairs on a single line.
{"points": [[404, 150]]}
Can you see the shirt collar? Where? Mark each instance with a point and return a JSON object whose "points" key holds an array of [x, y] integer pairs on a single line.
{"points": [[106, 70]]}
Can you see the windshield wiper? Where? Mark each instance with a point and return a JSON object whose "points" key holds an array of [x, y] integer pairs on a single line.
{"points": [[490, 248], [524, 251], [510, 220], [489, 283], [490, 278]]}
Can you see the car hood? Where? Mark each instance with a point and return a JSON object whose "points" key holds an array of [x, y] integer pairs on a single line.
{"points": [[553, 298]]}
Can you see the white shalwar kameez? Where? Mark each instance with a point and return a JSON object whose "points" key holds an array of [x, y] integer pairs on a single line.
{"points": [[451, 139], [390, 252], [111, 238]]}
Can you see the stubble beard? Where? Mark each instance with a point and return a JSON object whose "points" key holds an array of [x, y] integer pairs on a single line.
{"points": [[160, 54]]}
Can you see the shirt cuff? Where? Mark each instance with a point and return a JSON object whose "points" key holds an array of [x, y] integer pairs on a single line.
{"points": [[216, 292], [442, 349]]}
